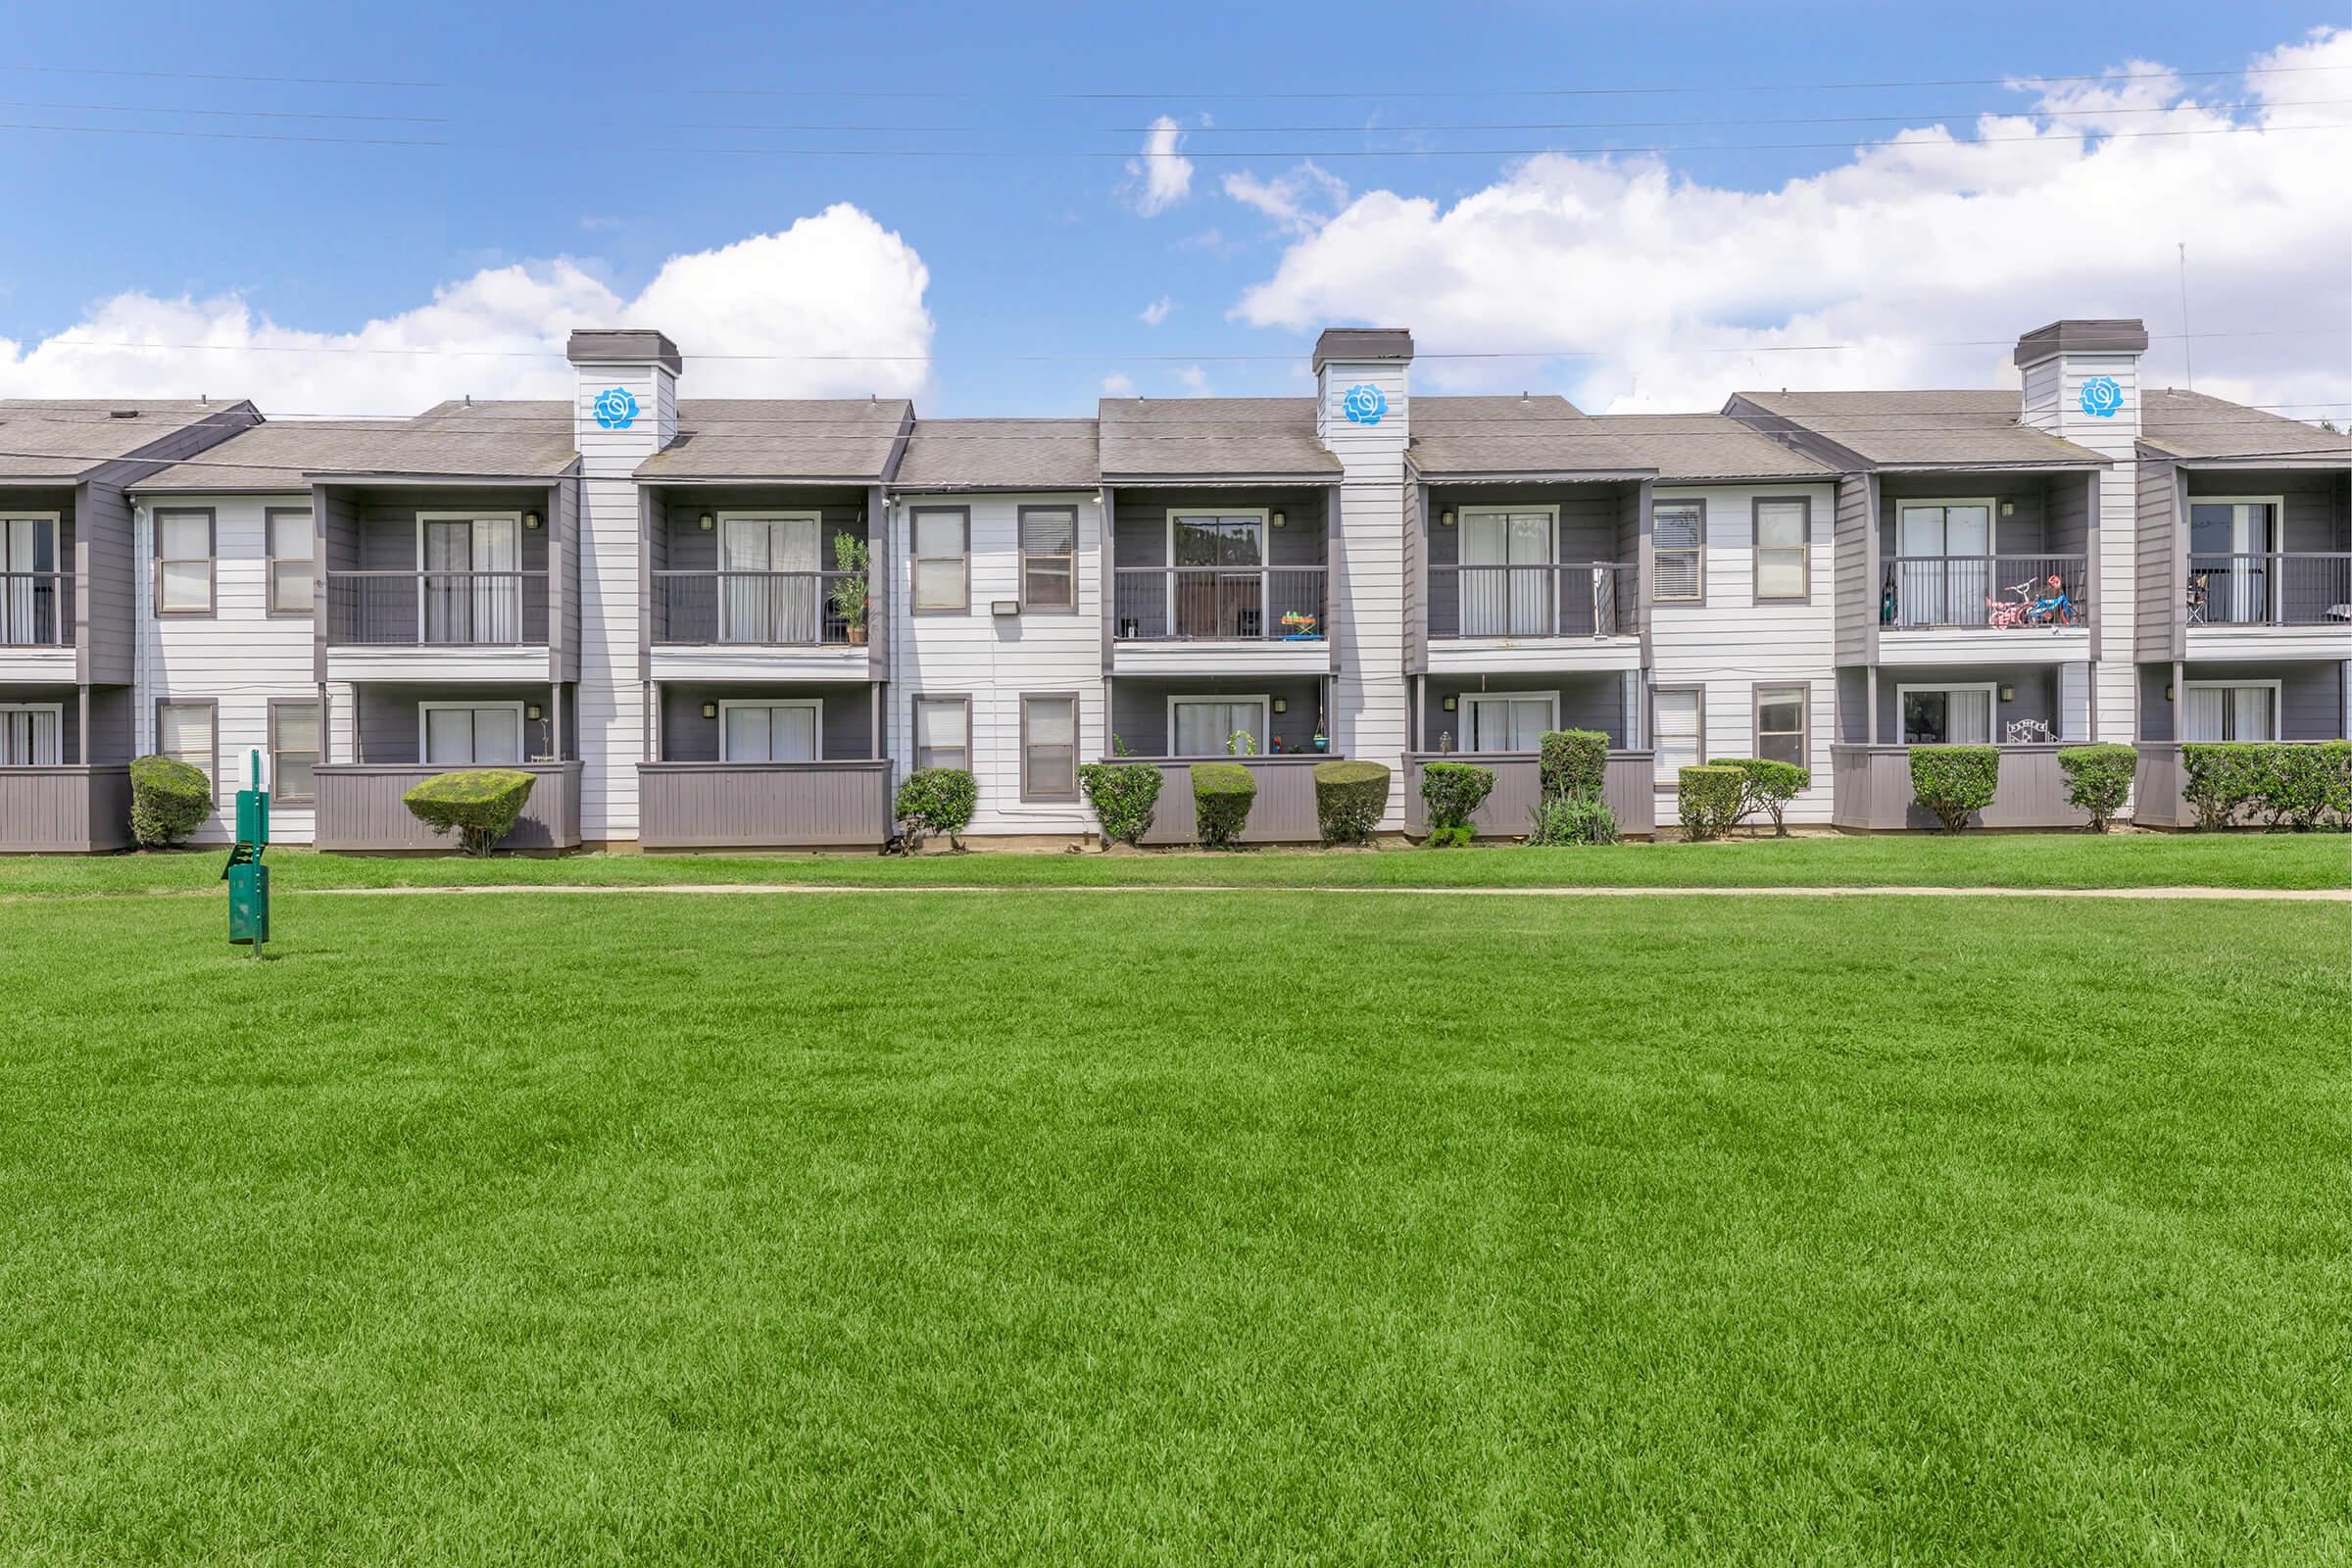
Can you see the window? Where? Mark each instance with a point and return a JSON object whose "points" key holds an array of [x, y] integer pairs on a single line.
{"points": [[1508, 722], [2233, 579], [1049, 558], [1678, 539], [29, 734], [1202, 726], [1675, 722], [942, 561], [942, 732], [471, 735], [2232, 711], [183, 563], [1782, 564], [1781, 727], [474, 582], [30, 588], [1945, 716], [293, 750], [1050, 747], [1218, 588], [772, 732], [290, 555], [770, 589], [183, 732], [1943, 562]]}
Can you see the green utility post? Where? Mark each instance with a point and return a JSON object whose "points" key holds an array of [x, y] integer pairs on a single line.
{"points": [[247, 877]]}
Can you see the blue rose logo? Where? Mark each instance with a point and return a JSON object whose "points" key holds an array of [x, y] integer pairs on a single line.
{"points": [[1363, 403], [616, 407], [2102, 397]]}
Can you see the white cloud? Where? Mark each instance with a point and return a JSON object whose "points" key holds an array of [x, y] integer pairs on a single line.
{"points": [[834, 284], [1299, 201], [1193, 379], [1118, 384], [1927, 255], [1159, 311], [1160, 177]]}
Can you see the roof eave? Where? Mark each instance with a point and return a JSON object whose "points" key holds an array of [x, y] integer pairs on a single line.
{"points": [[1534, 475], [1322, 476]]}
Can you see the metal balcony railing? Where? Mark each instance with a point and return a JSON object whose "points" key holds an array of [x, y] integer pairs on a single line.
{"points": [[36, 608], [437, 608], [1972, 592], [1267, 604], [1569, 599], [2277, 588], [751, 608]]}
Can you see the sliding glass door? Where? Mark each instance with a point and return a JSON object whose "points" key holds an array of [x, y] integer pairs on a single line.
{"points": [[1506, 574], [473, 583], [774, 593], [1943, 569]]}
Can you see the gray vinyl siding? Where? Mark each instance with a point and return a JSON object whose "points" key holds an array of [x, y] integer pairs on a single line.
{"points": [[2311, 695], [563, 590], [1140, 523], [1416, 576], [385, 717], [2030, 529], [2155, 711], [335, 516], [2317, 515], [1139, 708], [846, 733], [2158, 573], [1853, 706], [1857, 595], [1593, 701], [103, 587]]}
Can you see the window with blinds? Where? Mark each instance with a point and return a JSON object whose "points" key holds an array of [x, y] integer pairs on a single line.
{"points": [[1678, 551], [183, 732], [1782, 564], [1050, 747], [1675, 715], [942, 732], [29, 735], [293, 750], [291, 552], [942, 561], [183, 563], [1049, 558]]}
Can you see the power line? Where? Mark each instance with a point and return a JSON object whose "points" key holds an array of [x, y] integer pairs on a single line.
{"points": [[204, 75], [227, 114]]}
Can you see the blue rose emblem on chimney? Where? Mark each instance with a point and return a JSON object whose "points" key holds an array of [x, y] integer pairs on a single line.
{"points": [[2102, 397], [616, 407], [1363, 403]]}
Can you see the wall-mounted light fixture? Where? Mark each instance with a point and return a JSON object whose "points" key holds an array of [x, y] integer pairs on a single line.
{"points": [[1277, 518], [531, 522], [531, 711], [1446, 518], [1005, 608], [2168, 691], [2008, 508], [706, 522], [1448, 705], [710, 710], [2008, 694], [1282, 704]]}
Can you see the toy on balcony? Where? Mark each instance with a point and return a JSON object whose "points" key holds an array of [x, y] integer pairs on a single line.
{"points": [[1299, 626]]}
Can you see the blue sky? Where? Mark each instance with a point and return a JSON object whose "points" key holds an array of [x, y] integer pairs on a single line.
{"points": [[620, 136]]}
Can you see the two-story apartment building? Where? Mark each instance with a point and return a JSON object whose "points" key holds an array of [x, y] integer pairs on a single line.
{"points": [[738, 622]]}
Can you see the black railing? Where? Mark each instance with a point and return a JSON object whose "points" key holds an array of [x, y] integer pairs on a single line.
{"points": [[2004, 592], [1570, 599], [752, 609], [36, 608], [2277, 588], [1267, 604], [437, 608]]}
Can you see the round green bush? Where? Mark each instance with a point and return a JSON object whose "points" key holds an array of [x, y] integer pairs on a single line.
{"points": [[479, 805], [1768, 787], [1350, 798], [1123, 796], [168, 799], [1453, 791], [1953, 781], [1573, 761], [1222, 795], [2098, 780], [1709, 800], [935, 800]]}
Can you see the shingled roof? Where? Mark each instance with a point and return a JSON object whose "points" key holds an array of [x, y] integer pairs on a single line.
{"points": [[1946, 430], [59, 440], [1685, 448], [1213, 438], [1001, 455], [1467, 438], [2191, 424], [851, 440], [505, 440]]}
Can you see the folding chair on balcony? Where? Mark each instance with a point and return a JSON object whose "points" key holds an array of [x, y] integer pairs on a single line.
{"points": [[2200, 591]]}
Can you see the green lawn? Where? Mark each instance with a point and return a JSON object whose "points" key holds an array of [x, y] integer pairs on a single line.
{"points": [[1261, 1227], [2008, 861]]}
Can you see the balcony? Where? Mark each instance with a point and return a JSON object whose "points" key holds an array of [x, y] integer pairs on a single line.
{"points": [[714, 624], [1999, 608], [1872, 791], [65, 809], [1498, 618], [36, 625], [700, 806], [2272, 589], [360, 808], [393, 626], [1220, 619]]}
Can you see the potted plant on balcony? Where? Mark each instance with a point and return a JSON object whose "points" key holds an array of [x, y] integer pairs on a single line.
{"points": [[848, 592]]}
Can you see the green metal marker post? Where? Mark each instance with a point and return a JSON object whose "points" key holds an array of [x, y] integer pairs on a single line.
{"points": [[247, 877]]}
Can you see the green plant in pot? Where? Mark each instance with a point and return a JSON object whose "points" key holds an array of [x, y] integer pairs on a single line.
{"points": [[849, 593]]}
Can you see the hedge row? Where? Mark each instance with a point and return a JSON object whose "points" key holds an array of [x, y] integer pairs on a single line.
{"points": [[2278, 785]]}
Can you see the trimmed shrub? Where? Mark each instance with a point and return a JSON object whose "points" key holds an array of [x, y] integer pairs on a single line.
{"points": [[168, 800], [1123, 796], [935, 800], [2283, 785], [479, 805], [1222, 795], [1452, 792], [1572, 819], [1708, 798], [2098, 780], [1573, 761], [1952, 781], [1349, 800], [1767, 787]]}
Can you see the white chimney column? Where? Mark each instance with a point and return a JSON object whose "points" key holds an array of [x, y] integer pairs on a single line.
{"points": [[2082, 385], [1363, 416], [624, 410]]}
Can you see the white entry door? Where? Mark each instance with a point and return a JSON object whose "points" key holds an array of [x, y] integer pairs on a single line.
{"points": [[774, 593], [1507, 580]]}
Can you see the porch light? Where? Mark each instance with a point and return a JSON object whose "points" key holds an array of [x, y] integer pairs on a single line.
{"points": [[531, 711], [531, 522], [706, 522], [1446, 518], [1276, 518], [1282, 704], [2008, 694], [710, 710], [2167, 691], [1448, 705]]}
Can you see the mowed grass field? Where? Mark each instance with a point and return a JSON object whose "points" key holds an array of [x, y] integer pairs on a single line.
{"points": [[1256, 1226]]}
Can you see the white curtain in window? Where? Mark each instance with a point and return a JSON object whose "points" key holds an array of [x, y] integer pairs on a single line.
{"points": [[1507, 723], [472, 737], [765, 605], [1675, 719], [1971, 720], [1203, 728], [27, 608], [784, 732], [496, 601], [1508, 586], [29, 738], [2231, 713]]}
